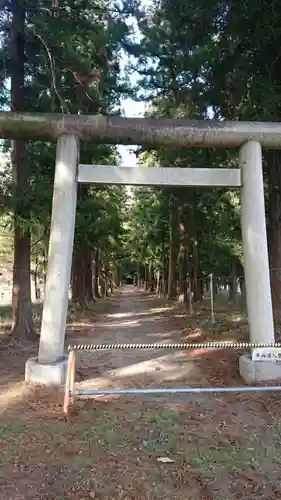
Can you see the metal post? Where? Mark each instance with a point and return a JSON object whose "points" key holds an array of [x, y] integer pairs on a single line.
{"points": [[173, 390], [51, 348], [256, 266]]}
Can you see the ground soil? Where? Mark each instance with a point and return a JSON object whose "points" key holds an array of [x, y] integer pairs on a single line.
{"points": [[219, 446]]}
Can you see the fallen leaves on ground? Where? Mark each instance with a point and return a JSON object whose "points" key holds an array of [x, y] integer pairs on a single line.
{"points": [[212, 447]]}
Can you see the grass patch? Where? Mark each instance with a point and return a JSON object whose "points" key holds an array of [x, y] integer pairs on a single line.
{"points": [[112, 452], [222, 448]]}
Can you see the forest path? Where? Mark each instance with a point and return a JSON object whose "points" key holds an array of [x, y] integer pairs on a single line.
{"points": [[218, 446], [137, 317]]}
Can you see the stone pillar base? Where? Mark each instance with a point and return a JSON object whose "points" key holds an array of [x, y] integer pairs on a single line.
{"points": [[45, 374], [258, 371]]}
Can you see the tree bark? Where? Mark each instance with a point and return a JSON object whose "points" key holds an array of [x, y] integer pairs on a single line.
{"points": [[141, 275], [37, 280], [151, 283], [103, 284], [89, 275], [183, 252], [81, 261], [172, 250], [78, 280], [195, 274], [22, 322], [273, 166], [107, 275], [233, 283], [117, 277], [146, 277], [158, 283], [97, 274], [165, 258]]}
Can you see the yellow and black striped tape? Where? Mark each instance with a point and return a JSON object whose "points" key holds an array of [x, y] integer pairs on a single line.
{"points": [[185, 345]]}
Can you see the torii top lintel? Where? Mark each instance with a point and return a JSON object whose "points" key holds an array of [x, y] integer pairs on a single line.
{"points": [[143, 131]]}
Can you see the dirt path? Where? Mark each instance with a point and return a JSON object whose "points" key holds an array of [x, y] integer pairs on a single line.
{"points": [[220, 447], [232, 433], [138, 318]]}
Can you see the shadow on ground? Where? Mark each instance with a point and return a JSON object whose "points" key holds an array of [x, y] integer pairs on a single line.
{"points": [[217, 446]]}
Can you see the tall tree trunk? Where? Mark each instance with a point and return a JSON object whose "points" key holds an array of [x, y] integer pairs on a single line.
{"points": [[37, 280], [97, 273], [165, 277], [22, 325], [146, 277], [117, 276], [158, 283], [78, 280], [80, 261], [183, 251], [89, 275], [151, 276], [141, 275], [138, 275], [102, 279], [195, 277], [233, 283], [273, 167], [173, 249], [107, 284], [165, 258]]}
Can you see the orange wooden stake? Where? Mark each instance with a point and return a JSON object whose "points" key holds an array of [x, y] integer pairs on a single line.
{"points": [[69, 383]]}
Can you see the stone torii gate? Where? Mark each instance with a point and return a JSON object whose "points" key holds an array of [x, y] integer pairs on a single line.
{"points": [[249, 137]]}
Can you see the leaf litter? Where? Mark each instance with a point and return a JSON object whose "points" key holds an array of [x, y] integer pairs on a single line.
{"points": [[202, 446]]}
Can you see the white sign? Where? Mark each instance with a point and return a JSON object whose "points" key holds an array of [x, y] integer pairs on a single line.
{"points": [[272, 354]]}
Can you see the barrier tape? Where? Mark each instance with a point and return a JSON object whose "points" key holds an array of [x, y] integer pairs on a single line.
{"points": [[185, 345]]}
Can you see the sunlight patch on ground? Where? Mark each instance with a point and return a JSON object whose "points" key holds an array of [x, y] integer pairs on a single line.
{"points": [[143, 313], [165, 368], [161, 309], [161, 335], [237, 318], [74, 325], [229, 339], [129, 323], [193, 353], [12, 395], [96, 383], [195, 334], [121, 315]]}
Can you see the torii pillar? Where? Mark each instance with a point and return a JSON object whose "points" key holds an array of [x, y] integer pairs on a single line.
{"points": [[256, 266], [50, 366]]}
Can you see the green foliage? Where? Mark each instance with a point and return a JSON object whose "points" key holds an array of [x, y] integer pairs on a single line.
{"points": [[73, 58], [195, 59], [147, 228], [178, 55]]}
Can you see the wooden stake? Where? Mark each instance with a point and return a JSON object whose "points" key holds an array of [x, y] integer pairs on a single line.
{"points": [[69, 383], [72, 374]]}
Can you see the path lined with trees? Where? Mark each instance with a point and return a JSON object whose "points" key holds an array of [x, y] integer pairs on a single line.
{"points": [[193, 60], [138, 317], [225, 446], [68, 59]]}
